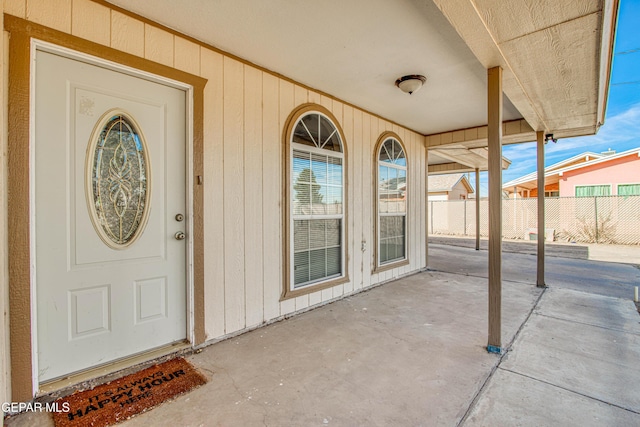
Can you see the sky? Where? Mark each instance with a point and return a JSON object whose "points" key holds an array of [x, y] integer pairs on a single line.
{"points": [[621, 129]]}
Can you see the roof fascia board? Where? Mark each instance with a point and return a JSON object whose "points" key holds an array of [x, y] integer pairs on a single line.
{"points": [[452, 167], [602, 159], [513, 132], [609, 23], [467, 184], [453, 158], [533, 175]]}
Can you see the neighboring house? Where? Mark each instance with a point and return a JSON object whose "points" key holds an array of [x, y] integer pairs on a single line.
{"points": [[454, 186], [174, 173], [587, 174], [449, 216]]}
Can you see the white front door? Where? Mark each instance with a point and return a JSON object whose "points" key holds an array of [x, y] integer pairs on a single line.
{"points": [[109, 189]]}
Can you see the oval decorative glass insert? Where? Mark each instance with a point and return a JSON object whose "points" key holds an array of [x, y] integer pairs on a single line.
{"points": [[119, 184]]}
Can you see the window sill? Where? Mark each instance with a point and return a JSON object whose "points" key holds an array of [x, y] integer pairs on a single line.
{"points": [[289, 294], [390, 266]]}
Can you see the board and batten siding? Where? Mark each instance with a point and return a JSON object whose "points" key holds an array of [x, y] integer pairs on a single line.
{"points": [[245, 112]]}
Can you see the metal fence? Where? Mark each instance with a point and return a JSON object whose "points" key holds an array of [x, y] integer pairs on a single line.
{"points": [[606, 219]]}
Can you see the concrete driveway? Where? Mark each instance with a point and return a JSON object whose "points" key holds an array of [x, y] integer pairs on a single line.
{"points": [[412, 353], [600, 269]]}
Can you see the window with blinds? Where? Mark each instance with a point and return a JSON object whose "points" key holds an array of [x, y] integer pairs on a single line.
{"points": [[317, 216], [392, 202]]}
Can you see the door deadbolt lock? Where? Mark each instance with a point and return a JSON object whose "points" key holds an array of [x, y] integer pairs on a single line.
{"points": [[179, 217], [180, 235]]}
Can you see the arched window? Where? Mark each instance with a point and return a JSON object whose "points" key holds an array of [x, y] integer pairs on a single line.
{"points": [[391, 201], [315, 195]]}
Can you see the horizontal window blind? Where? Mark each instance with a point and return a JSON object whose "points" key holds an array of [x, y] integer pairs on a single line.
{"points": [[392, 238], [317, 250]]}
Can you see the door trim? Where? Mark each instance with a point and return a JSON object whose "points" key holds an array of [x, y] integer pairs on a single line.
{"points": [[26, 38]]}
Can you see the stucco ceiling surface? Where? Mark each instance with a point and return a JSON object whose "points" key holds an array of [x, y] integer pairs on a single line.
{"points": [[355, 50], [556, 55]]}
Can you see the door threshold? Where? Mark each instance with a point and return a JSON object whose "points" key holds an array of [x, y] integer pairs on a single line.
{"points": [[93, 376]]}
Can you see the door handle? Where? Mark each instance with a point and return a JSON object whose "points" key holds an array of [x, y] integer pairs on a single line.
{"points": [[180, 235]]}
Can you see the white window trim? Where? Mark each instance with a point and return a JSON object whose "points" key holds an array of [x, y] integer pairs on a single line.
{"points": [[380, 266], [293, 146], [624, 183]]}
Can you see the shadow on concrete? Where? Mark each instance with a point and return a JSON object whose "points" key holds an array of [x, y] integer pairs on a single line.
{"points": [[575, 251], [605, 278]]}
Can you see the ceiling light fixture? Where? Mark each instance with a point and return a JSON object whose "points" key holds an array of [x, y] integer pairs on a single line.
{"points": [[549, 137], [411, 83]]}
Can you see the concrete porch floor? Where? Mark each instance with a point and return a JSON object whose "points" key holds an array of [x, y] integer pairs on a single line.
{"points": [[412, 352]]}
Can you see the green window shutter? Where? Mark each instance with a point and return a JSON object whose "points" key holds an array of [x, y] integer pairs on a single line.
{"points": [[592, 190], [629, 190]]}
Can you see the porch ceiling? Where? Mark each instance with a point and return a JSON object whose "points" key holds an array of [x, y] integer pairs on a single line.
{"points": [[530, 185], [468, 159], [556, 56]]}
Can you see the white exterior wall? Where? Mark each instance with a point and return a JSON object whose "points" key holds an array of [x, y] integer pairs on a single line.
{"points": [[458, 190], [438, 196], [244, 117], [243, 234]]}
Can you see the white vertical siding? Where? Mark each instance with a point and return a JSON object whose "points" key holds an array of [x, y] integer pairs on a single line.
{"points": [[233, 196], [271, 197], [368, 145], [212, 69], [357, 208], [337, 108], [253, 261], [127, 34], [287, 104], [91, 21], [51, 13], [245, 113], [158, 45]]}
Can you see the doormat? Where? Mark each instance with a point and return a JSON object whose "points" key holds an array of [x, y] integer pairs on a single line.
{"points": [[118, 400]]}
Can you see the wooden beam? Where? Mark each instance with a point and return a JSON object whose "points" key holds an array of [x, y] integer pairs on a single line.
{"points": [[495, 209], [452, 167], [455, 167], [513, 132], [456, 159], [484, 153], [541, 223]]}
